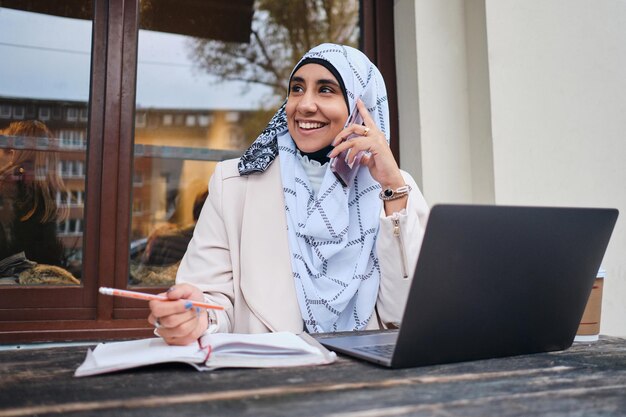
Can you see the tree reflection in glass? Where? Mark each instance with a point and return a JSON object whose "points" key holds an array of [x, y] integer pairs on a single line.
{"points": [[210, 76]]}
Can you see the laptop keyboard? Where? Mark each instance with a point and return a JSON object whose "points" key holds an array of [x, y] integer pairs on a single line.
{"points": [[380, 350]]}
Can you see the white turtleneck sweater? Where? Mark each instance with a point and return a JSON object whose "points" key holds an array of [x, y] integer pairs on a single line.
{"points": [[314, 170]]}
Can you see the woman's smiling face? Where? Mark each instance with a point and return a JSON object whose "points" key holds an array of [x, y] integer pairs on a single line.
{"points": [[316, 108]]}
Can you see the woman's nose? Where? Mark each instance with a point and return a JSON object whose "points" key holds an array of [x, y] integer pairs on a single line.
{"points": [[307, 103]]}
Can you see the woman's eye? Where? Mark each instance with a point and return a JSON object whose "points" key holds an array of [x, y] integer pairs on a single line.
{"points": [[296, 88], [326, 89]]}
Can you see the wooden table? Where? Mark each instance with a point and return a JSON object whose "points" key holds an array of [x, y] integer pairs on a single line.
{"points": [[586, 380]]}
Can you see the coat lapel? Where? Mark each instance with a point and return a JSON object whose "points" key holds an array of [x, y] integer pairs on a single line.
{"points": [[267, 280]]}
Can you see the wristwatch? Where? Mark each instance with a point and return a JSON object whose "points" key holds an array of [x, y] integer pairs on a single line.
{"points": [[212, 328], [391, 194]]}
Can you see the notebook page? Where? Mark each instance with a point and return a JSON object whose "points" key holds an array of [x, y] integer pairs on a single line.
{"points": [[270, 344], [145, 352]]}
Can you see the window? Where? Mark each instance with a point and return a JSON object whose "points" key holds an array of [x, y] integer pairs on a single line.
{"points": [[140, 119], [71, 114], [66, 168], [57, 113], [30, 112], [204, 120], [175, 172], [137, 178], [44, 114], [18, 112], [41, 171], [5, 111], [137, 207], [72, 169], [66, 138], [152, 164], [62, 228], [72, 139], [232, 117], [71, 225]]}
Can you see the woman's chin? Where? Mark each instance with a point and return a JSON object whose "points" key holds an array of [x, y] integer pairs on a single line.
{"points": [[309, 146], [311, 149]]}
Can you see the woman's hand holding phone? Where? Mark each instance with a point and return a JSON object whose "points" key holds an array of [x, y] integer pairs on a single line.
{"points": [[346, 171], [367, 143]]}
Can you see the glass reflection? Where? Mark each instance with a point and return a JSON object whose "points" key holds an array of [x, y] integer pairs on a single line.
{"points": [[209, 77], [40, 207], [43, 140]]}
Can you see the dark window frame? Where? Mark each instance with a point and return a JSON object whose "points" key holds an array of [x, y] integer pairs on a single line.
{"points": [[30, 314]]}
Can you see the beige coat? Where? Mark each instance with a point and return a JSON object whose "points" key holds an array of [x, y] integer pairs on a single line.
{"points": [[239, 254]]}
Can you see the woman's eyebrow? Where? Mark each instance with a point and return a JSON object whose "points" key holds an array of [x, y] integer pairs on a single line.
{"points": [[322, 81], [327, 81]]}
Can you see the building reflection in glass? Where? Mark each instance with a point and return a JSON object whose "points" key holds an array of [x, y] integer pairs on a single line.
{"points": [[44, 117]]}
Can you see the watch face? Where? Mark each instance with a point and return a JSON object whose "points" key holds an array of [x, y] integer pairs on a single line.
{"points": [[388, 192]]}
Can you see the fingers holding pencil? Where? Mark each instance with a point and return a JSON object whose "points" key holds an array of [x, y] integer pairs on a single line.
{"points": [[186, 295], [167, 314], [178, 315], [179, 323]]}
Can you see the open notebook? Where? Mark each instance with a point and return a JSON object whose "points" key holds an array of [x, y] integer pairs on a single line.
{"points": [[212, 351]]}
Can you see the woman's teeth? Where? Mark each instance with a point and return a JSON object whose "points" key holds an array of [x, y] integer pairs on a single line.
{"points": [[310, 125]]}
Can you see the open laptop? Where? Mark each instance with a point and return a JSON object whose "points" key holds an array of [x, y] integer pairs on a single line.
{"points": [[492, 281]]}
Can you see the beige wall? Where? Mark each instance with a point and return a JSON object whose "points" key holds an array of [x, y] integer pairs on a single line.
{"points": [[519, 102]]}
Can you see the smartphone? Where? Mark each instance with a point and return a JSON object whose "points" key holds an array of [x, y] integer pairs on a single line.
{"points": [[344, 171]]}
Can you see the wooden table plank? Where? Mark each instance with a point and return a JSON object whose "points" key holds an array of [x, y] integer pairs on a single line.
{"points": [[587, 379]]}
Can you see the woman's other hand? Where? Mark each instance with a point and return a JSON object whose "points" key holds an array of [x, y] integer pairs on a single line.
{"points": [[378, 157], [177, 321]]}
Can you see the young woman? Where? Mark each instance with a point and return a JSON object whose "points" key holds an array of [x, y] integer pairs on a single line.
{"points": [[281, 243], [29, 183]]}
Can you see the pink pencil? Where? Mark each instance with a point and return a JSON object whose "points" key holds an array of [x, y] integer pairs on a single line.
{"points": [[145, 296]]}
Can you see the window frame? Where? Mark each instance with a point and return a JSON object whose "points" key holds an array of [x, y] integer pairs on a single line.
{"points": [[29, 314]]}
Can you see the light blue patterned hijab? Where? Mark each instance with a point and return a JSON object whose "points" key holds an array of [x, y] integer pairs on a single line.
{"points": [[332, 235], [361, 79]]}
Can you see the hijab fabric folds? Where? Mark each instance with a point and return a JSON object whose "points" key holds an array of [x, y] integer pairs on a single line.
{"points": [[332, 235]]}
